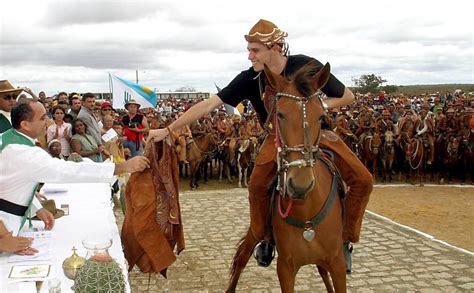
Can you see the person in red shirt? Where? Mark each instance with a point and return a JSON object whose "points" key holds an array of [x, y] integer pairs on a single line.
{"points": [[134, 126]]}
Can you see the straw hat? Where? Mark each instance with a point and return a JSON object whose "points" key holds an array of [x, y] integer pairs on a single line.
{"points": [[6, 87], [132, 102]]}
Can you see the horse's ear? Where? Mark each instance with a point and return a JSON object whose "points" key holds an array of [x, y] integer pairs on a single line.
{"points": [[275, 81], [322, 77]]}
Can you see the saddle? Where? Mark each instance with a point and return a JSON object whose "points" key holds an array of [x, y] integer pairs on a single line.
{"points": [[152, 227]]}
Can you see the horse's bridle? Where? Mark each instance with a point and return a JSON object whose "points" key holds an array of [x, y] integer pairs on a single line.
{"points": [[310, 152]]}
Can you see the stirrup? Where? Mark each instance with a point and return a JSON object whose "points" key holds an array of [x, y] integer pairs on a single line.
{"points": [[347, 247], [264, 252]]}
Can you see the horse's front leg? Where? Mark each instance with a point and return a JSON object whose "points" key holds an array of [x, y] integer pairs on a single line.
{"points": [[245, 177], [229, 177], [239, 170], [286, 275], [337, 269]]}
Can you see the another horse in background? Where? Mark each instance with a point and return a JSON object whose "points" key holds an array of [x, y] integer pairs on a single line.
{"points": [[450, 158], [370, 152], [416, 155], [387, 155], [196, 152], [246, 153]]}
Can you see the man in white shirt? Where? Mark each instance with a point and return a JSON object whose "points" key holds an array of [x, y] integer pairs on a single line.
{"points": [[23, 166]]}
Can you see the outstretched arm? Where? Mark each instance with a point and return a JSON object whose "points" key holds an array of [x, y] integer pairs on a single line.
{"points": [[193, 114]]}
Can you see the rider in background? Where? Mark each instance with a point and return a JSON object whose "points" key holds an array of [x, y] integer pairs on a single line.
{"points": [[267, 46]]}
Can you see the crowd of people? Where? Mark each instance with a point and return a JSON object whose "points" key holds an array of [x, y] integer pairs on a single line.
{"points": [[77, 122]]}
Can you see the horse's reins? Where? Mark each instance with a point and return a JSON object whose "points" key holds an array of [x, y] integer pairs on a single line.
{"points": [[414, 156], [205, 153], [311, 153]]}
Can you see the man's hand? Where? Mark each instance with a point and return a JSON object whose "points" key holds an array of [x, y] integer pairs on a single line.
{"points": [[27, 251], [135, 164], [10, 243], [157, 135], [47, 218], [40, 196]]}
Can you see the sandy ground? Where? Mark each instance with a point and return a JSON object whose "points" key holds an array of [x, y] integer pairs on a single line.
{"points": [[445, 212]]}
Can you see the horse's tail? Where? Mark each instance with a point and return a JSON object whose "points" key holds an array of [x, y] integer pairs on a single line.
{"points": [[241, 258], [240, 249]]}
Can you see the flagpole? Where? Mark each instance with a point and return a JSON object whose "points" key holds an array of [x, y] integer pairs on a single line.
{"points": [[136, 74], [111, 88]]}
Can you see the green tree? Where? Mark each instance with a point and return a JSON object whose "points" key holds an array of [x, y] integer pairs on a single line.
{"points": [[368, 83]]}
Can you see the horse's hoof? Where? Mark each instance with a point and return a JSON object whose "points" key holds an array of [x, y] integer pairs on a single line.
{"points": [[347, 256]]}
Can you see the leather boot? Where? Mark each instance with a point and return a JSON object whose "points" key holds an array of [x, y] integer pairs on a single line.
{"points": [[264, 253]]}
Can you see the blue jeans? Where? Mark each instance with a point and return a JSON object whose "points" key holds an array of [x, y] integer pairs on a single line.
{"points": [[132, 146]]}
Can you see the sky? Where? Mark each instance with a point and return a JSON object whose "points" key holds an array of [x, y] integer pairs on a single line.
{"points": [[73, 45]]}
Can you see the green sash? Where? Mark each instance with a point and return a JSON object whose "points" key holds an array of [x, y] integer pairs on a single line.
{"points": [[11, 136]]}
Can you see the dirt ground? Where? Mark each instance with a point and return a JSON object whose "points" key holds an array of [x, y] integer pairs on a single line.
{"points": [[445, 212]]}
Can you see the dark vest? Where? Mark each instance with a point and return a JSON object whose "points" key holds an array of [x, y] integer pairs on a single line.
{"points": [[4, 123]]}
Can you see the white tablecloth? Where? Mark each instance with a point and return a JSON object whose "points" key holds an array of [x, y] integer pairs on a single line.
{"points": [[90, 217]]}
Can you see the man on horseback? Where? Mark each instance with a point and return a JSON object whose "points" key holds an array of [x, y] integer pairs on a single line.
{"points": [[266, 45]]}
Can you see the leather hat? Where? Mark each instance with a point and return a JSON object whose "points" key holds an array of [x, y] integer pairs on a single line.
{"points": [[266, 32], [50, 205]]}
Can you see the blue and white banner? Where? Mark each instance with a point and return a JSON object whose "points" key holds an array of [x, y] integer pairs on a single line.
{"points": [[123, 91]]}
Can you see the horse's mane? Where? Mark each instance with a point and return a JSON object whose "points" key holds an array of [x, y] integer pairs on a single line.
{"points": [[302, 78]]}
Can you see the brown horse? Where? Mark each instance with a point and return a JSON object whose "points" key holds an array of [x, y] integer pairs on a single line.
{"points": [[196, 152], [387, 155], [245, 157], [450, 158], [370, 152], [416, 156], [311, 231]]}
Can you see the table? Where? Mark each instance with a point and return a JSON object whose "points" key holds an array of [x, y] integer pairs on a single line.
{"points": [[90, 217]]}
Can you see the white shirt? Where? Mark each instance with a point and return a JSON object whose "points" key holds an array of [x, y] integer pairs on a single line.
{"points": [[22, 167]]}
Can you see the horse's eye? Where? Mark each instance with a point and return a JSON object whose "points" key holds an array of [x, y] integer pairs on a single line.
{"points": [[280, 116]]}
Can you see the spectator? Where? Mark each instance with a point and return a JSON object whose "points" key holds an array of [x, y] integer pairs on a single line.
{"points": [[86, 114], [8, 95], [54, 149], [42, 96], [60, 130], [135, 125], [62, 97], [106, 109], [75, 106], [115, 145], [85, 145]]}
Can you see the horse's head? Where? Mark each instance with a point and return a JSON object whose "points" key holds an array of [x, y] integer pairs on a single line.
{"points": [[388, 138], [453, 147], [376, 143], [298, 113]]}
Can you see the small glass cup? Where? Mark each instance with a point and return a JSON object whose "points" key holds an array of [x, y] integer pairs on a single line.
{"points": [[97, 249]]}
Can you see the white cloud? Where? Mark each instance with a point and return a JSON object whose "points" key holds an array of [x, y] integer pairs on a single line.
{"points": [[72, 45]]}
